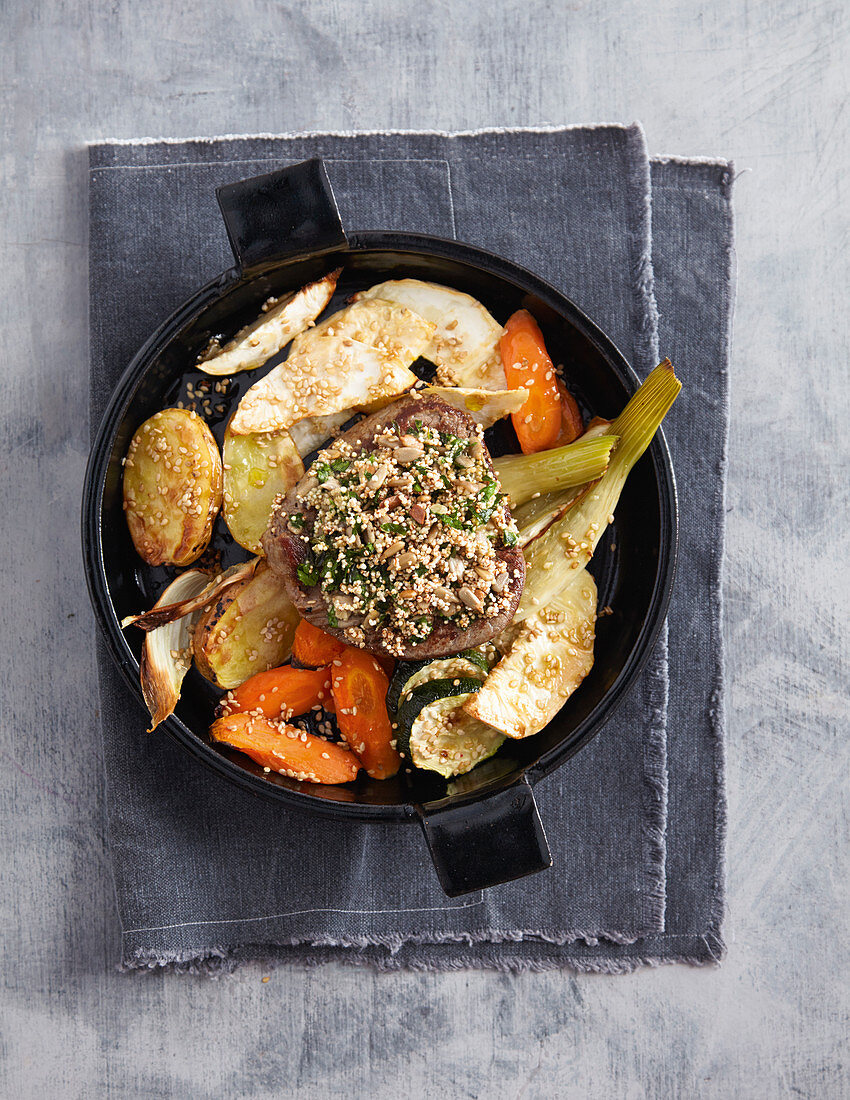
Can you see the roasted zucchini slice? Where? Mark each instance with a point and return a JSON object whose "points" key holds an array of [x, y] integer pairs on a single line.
{"points": [[471, 664], [436, 734], [172, 487]]}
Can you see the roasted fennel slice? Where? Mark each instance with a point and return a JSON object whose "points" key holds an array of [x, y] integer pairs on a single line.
{"points": [[533, 517], [549, 658], [523, 477]]}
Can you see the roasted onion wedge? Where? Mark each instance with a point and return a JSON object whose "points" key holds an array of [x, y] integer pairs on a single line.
{"points": [[163, 612], [283, 320], [172, 487], [167, 650]]}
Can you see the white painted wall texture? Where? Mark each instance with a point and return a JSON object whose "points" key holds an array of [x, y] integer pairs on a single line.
{"points": [[765, 83]]}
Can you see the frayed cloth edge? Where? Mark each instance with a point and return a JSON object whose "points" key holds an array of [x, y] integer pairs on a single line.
{"points": [[221, 962], [645, 308], [145, 958], [200, 139], [717, 709], [706, 162], [645, 327], [655, 793]]}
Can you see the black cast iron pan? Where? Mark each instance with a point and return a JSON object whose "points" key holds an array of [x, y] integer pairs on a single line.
{"points": [[285, 230]]}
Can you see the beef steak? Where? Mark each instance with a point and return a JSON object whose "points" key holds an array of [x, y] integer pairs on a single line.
{"points": [[398, 539]]}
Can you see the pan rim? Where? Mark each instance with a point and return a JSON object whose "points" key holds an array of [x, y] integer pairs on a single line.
{"points": [[374, 241]]}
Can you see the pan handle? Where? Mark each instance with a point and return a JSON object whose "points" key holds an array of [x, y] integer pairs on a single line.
{"points": [[492, 840], [281, 215]]}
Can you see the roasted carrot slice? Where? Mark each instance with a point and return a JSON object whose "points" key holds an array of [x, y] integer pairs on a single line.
{"points": [[280, 692], [527, 364], [286, 750], [314, 647], [572, 425], [359, 686]]}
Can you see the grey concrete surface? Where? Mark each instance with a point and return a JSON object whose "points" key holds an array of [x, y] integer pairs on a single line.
{"points": [[765, 83]]}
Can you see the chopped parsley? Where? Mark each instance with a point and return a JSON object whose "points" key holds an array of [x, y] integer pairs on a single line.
{"points": [[307, 575]]}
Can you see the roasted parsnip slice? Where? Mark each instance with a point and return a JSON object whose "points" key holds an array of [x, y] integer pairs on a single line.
{"points": [[172, 487], [280, 322], [548, 659], [256, 468], [248, 629], [313, 432], [359, 355]]}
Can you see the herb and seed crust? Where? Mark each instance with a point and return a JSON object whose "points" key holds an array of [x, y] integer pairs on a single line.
{"points": [[398, 538]]}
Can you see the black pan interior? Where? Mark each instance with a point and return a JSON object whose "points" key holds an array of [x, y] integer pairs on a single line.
{"points": [[633, 565]]}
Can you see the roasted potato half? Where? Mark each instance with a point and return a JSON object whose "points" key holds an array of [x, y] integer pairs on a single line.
{"points": [[172, 487], [256, 468], [248, 629]]}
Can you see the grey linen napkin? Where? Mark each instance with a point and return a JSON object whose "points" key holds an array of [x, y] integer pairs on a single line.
{"points": [[207, 875]]}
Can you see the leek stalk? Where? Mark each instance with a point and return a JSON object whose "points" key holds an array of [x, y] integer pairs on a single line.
{"points": [[523, 476], [533, 517], [555, 559]]}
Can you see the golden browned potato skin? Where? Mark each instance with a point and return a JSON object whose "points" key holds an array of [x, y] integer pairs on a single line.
{"points": [[248, 629], [172, 487]]}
